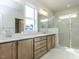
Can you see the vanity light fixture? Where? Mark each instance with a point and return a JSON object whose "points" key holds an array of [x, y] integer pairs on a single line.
{"points": [[43, 12], [68, 5]]}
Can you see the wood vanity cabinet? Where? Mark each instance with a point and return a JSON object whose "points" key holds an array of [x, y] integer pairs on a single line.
{"points": [[53, 41], [40, 47], [50, 41], [8, 50], [25, 49]]}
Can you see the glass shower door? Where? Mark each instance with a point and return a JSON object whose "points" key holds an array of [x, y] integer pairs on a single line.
{"points": [[64, 32]]}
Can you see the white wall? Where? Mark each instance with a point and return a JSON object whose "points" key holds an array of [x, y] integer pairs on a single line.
{"points": [[9, 11], [38, 6]]}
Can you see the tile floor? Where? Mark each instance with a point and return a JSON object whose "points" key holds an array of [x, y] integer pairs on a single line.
{"points": [[62, 53]]}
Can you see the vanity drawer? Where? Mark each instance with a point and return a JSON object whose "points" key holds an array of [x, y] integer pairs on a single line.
{"points": [[40, 39], [40, 45], [40, 50], [40, 42], [40, 53]]}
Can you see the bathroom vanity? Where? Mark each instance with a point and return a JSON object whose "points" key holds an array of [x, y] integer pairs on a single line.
{"points": [[29, 47]]}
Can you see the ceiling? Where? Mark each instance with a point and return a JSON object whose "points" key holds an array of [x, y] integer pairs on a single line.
{"points": [[56, 5]]}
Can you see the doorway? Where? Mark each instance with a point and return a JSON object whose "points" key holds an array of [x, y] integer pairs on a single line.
{"points": [[19, 25]]}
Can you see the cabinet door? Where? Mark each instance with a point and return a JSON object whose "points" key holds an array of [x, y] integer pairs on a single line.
{"points": [[49, 42], [8, 50], [25, 49], [53, 41]]}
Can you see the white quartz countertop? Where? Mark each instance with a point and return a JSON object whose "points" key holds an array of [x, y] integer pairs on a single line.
{"points": [[10, 39]]}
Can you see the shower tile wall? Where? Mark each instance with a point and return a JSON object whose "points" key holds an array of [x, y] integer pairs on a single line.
{"points": [[75, 32]]}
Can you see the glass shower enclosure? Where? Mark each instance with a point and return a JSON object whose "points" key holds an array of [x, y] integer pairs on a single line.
{"points": [[68, 30]]}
